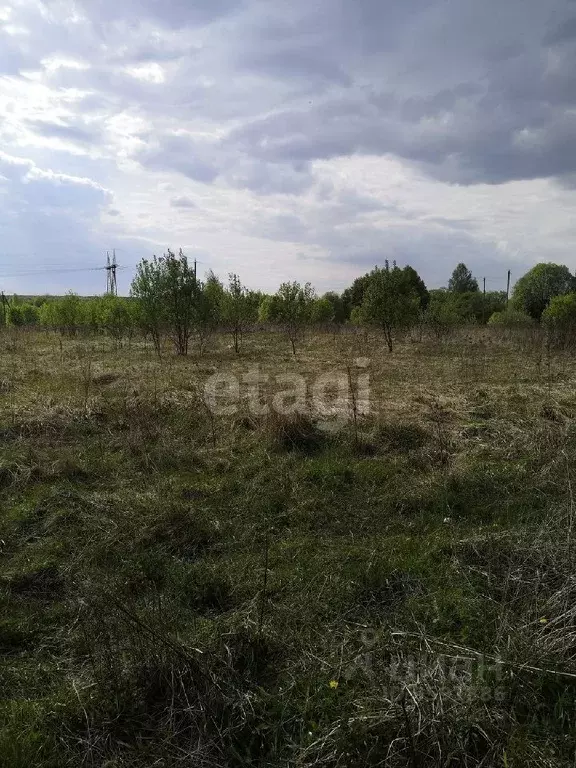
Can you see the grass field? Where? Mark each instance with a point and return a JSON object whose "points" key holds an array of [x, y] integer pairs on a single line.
{"points": [[391, 588]]}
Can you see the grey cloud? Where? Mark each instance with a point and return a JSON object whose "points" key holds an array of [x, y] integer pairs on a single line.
{"points": [[179, 152], [32, 187], [170, 13], [268, 178], [81, 134], [564, 32], [474, 131], [182, 202], [470, 92]]}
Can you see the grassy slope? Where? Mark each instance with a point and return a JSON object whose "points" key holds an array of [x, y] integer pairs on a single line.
{"points": [[139, 624]]}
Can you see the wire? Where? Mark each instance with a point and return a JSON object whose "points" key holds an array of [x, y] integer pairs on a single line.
{"points": [[55, 271]]}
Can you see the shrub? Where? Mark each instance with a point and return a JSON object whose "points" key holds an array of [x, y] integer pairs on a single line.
{"points": [[511, 318], [294, 432], [559, 317]]}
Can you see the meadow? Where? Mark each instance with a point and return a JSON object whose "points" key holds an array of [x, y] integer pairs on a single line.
{"points": [[386, 586]]}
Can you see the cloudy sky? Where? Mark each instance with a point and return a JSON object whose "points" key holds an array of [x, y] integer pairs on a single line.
{"points": [[302, 139]]}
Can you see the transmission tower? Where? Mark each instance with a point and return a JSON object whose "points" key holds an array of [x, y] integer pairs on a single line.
{"points": [[111, 266]]}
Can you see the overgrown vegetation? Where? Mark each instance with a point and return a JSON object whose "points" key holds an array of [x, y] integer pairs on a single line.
{"points": [[385, 587], [387, 581]]}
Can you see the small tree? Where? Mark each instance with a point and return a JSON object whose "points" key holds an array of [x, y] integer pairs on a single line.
{"points": [[414, 280], [116, 316], [168, 293], [442, 315], [64, 314], [291, 307], [462, 280], [147, 288], [338, 307], [390, 302], [22, 314], [559, 318], [354, 296], [181, 294], [321, 311], [209, 309], [534, 291], [236, 310]]}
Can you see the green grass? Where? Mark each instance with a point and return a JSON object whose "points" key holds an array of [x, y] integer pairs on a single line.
{"points": [[177, 589]]}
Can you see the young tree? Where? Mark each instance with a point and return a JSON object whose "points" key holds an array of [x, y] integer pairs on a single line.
{"points": [[442, 314], [64, 313], [559, 318], [534, 291], [181, 292], [321, 311], [148, 290], [268, 309], [168, 292], [354, 296], [338, 307], [209, 309], [462, 280], [414, 279], [291, 307], [115, 316], [236, 310], [390, 302], [22, 314]]}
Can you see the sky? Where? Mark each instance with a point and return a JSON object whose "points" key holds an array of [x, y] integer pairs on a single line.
{"points": [[305, 140]]}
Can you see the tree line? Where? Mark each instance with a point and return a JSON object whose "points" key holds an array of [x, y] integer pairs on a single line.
{"points": [[168, 300]]}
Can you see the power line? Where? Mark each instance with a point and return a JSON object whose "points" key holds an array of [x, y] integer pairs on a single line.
{"points": [[55, 271]]}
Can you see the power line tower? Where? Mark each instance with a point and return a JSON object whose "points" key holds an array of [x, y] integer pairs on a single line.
{"points": [[111, 266]]}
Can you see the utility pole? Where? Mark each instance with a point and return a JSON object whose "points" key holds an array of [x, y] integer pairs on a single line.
{"points": [[194, 270], [484, 301], [508, 290], [111, 266]]}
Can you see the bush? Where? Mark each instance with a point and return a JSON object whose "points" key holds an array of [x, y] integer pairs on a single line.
{"points": [[22, 314], [559, 317], [511, 318]]}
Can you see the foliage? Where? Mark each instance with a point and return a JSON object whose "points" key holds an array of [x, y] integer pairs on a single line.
{"points": [[414, 279], [148, 289], [117, 316], [390, 302], [354, 296], [338, 306], [510, 318], [209, 307], [442, 314], [321, 311], [236, 311], [22, 314], [462, 280], [290, 307], [559, 318], [64, 314], [534, 291], [169, 295], [469, 307]]}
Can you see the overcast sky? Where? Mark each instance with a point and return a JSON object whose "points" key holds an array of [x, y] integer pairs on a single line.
{"points": [[302, 139]]}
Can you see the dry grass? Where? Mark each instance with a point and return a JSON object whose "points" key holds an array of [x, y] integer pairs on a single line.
{"points": [[178, 588]]}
